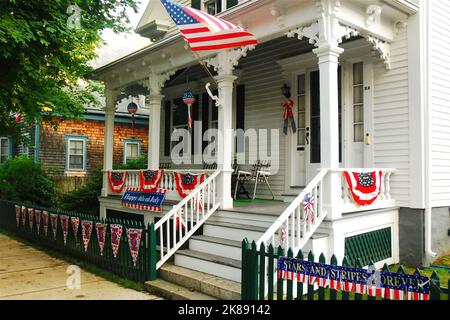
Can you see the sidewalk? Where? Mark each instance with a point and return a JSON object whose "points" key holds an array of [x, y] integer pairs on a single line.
{"points": [[30, 274]]}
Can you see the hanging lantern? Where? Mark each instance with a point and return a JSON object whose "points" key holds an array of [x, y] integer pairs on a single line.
{"points": [[132, 109], [189, 100]]}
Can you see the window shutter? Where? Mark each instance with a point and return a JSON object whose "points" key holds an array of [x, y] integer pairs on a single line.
{"points": [[240, 113], [196, 4], [231, 3], [167, 113], [205, 117]]}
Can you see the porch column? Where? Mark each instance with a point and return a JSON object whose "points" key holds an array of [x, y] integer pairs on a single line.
{"points": [[224, 63], [154, 127], [155, 85], [329, 126], [110, 109], [225, 147]]}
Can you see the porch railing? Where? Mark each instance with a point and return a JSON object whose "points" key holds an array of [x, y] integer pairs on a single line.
{"points": [[167, 182], [185, 218], [300, 220], [384, 200]]}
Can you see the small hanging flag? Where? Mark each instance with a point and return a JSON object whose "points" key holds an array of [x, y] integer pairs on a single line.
{"points": [[24, 216], [117, 181], [132, 109], [187, 182], [283, 236], [179, 220], [189, 100], [45, 220], [65, 227], [54, 223], [31, 218], [150, 180], [75, 223], [288, 116], [101, 235], [364, 186], [37, 218], [308, 207], [86, 231], [134, 240], [116, 234], [17, 214]]}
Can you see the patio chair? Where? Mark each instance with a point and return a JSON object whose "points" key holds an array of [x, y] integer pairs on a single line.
{"points": [[212, 166], [260, 173]]}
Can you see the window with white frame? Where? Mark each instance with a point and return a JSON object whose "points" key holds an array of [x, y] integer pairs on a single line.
{"points": [[4, 149], [76, 154], [301, 113], [212, 7], [132, 150], [358, 102]]}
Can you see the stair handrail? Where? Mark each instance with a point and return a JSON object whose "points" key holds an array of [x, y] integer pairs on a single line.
{"points": [[193, 203], [303, 228]]}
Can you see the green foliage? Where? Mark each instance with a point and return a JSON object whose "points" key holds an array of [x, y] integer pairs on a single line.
{"points": [[23, 180], [44, 59], [137, 164], [84, 199]]}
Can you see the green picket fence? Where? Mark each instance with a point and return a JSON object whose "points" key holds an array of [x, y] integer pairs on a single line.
{"points": [[145, 268], [259, 277]]}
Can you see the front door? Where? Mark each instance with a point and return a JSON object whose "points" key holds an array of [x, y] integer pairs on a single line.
{"points": [[313, 156]]}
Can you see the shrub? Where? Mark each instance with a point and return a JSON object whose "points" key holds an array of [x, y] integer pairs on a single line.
{"points": [[137, 164], [23, 180], [85, 199]]}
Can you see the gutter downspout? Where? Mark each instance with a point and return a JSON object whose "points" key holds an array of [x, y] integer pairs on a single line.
{"points": [[425, 25], [36, 141]]}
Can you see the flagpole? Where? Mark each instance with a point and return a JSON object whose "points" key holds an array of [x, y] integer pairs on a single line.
{"points": [[204, 67]]}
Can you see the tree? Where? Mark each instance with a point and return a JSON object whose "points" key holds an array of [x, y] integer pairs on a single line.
{"points": [[45, 47]]}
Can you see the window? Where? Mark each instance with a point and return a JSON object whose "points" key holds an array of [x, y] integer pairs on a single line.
{"points": [[358, 102], [301, 114], [132, 150], [213, 7], [4, 149], [76, 153]]}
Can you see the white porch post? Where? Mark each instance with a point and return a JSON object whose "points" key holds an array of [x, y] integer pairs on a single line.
{"points": [[224, 63], [329, 126], [155, 85], [110, 109], [154, 126]]}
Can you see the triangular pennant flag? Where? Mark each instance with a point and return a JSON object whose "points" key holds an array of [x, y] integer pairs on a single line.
{"points": [[54, 223], [65, 227], [75, 223], [31, 218], [17, 214], [37, 218], [24, 215], [101, 235], [134, 240], [45, 221], [116, 234], [86, 231]]}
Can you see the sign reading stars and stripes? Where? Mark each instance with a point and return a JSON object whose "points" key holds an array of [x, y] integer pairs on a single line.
{"points": [[205, 32]]}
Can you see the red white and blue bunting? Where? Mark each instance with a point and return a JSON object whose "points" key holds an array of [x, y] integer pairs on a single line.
{"points": [[65, 227], [75, 221], [101, 235], [30, 218], [364, 186], [86, 231], [45, 221], [117, 181], [186, 182], [116, 234], [37, 218], [144, 207], [308, 207], [24, 215], [54, 224], [134, 240], [150, 180]]}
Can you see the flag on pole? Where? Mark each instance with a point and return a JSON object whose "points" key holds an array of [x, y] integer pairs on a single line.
{"points": [[205, 32]]}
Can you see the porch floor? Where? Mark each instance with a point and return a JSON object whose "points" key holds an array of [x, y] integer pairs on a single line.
{"points": [[259, 206]]}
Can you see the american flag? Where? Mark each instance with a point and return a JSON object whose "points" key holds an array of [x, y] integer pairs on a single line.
{"points": [[205, 32]]}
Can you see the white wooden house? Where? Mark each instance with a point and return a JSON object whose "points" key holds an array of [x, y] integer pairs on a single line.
{"points": [[371, 84]]}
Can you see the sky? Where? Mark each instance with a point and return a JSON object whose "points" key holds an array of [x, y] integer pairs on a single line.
{"points": [[120, 45]]}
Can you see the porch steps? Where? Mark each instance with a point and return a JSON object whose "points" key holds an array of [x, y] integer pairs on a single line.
{"points": [[201, 282], [173, 291]]}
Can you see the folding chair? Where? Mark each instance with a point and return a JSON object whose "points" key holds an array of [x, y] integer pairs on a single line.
{"points": [[165, 165], [212, 166], [260, 173]]}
